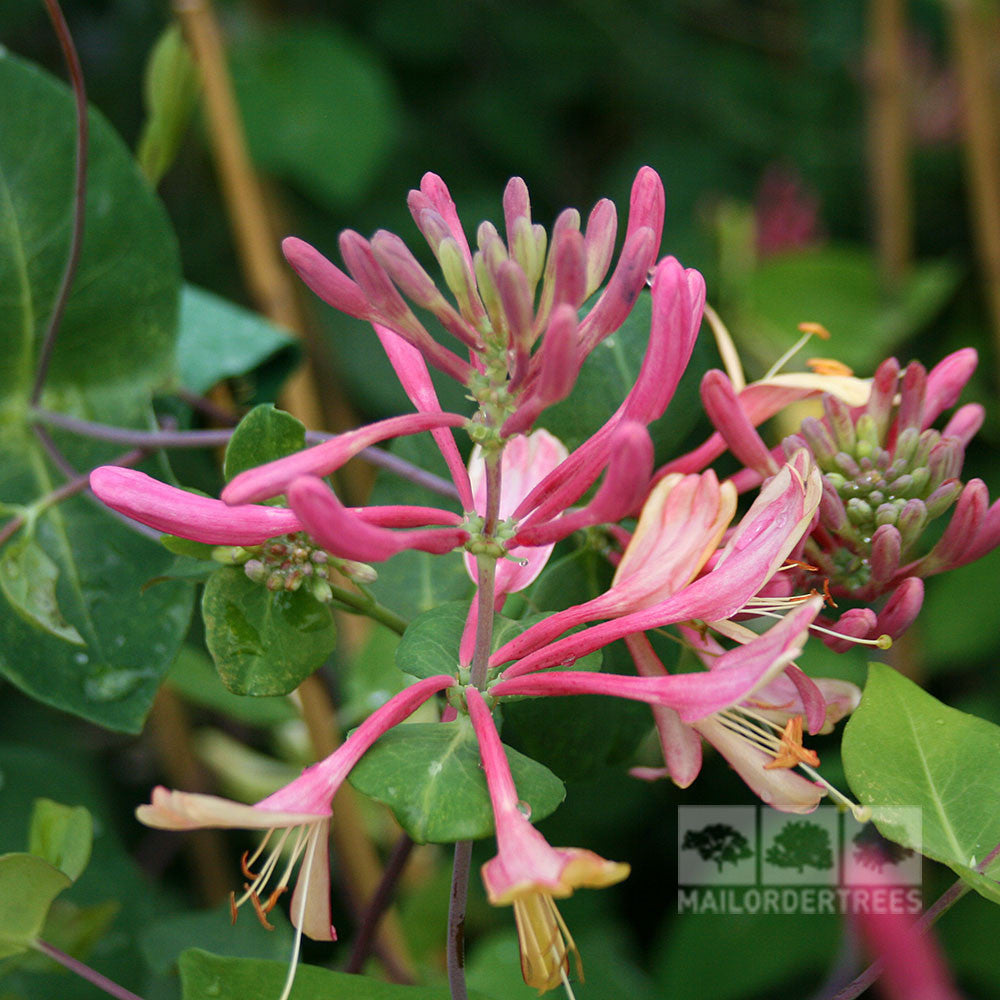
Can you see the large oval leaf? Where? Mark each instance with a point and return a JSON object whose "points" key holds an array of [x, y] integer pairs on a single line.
{"points": [[430, 776], [264, 642], [115, 347]]}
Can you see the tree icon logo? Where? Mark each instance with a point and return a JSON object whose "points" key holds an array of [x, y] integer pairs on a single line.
{"points": [[718, 842], [873, 851], [801, 845]]}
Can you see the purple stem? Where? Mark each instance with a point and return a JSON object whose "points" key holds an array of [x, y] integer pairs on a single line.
{"points": [[456, 920], [85, 971], [79, 197], [216, 438], [379, 903]]}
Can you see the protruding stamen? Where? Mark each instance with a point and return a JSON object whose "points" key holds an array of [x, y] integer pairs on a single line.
{"points": [[261, 912]]}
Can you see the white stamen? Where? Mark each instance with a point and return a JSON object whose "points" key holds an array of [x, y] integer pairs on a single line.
{"points": [[296, 947]]}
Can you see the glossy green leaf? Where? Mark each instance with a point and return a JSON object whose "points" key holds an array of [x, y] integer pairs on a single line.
{"points": [[264, 642], [61, 835], [902, 747], [319, 109], [430, 776], [28, 884], [219, 340], [212, 977], [264, 434], [28, 579], [171, 94], [115, 347]]}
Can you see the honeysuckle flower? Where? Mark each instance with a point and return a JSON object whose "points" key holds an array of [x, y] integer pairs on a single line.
{"points": [[508, 294], [760, 737], [189, 515], [301, 811], [735, 676], [654, 591], [527, 873], [786, 213], [526, 460]]}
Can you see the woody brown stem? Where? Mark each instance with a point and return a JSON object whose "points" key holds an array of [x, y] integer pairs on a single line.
{"points": [[271, 288], [972, 26], [888, 139]]}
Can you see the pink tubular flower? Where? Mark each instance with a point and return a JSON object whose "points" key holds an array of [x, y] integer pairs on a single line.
{"points": [[754, 552], [506, 295], [302, 811], [526, 460], [736, 675], [189, 515], [527, 872], [913, 967], [760, 736]]}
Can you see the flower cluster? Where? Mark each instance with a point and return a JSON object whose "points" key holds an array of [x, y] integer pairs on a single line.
{"points": [[840, 508]]}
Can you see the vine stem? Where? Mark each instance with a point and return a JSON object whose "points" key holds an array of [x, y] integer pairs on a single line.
{"points": [[379, 901], [220, 437], [486, 566], [79, 197], [77, 484], [84, 971]]}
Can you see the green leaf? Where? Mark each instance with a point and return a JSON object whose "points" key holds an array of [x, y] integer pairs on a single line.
{"points": [[61, 835], [264, 642], [264, 434], [219, 340], [115, 348], [903, 748], [429, 775], [688, 966], [194, 677], [28, 885], [840, 288], [212, 977], [165, 939], [332, 148], [171, 94], [28, 579]]}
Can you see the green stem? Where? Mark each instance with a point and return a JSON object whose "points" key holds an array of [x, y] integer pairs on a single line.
{"points": [[367, 605]]}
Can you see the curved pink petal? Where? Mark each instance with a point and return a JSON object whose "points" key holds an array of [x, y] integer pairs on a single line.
{"points": [[760, 544], [344, 534], [273, 478], [526, 459], [411, 370], [177, 512], [739, 672]]}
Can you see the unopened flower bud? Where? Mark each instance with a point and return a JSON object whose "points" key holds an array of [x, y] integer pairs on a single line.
{"points": [[256, 570], [358, 571]]}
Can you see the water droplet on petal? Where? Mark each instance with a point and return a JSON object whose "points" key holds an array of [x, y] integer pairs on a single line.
{"points": [[524, 809]]}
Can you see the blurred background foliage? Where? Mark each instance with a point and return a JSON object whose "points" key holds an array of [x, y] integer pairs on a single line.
{"points": [[756, 115]]}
